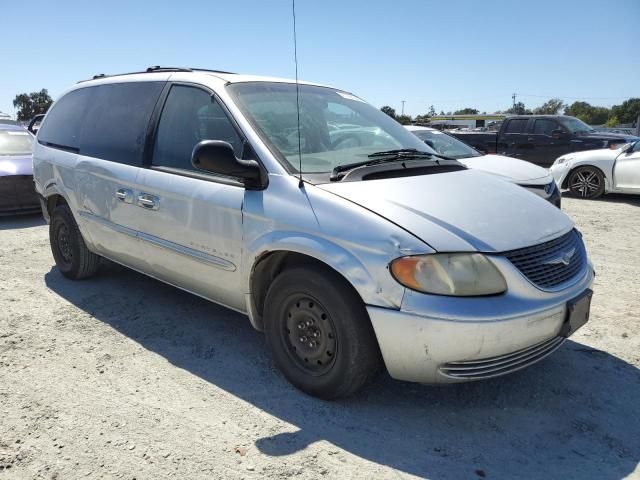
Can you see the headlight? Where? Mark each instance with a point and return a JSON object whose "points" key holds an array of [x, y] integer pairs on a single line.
{"points": [[562, 160], [458, 274]]}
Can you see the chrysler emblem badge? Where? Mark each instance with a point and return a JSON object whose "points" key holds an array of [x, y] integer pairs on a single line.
{"points": [[564, 258]]}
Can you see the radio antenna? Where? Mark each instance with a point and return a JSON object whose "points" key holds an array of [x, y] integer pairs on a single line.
{"points": [[295, 59]]}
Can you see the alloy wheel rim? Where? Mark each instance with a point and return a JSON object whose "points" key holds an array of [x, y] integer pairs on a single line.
{"points": [[585, 183], [309, 335]]}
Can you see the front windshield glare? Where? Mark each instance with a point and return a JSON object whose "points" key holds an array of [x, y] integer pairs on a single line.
{"points": [[575, 125], [336, 128], [446, 145], [15, 142]]}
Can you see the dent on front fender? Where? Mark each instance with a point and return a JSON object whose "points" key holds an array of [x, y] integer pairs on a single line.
{"points": [[356, 243]]}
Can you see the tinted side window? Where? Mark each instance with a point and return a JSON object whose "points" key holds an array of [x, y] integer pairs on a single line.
{"points": [[62, 126], [544, 126], [115, 125], [189, 116], [517, 125]]}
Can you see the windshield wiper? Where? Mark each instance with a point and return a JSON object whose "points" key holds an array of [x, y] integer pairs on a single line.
{"points": [[408, 153], [384, 157]]}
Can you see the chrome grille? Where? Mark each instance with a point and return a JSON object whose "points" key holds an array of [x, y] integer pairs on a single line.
{"points": [[502, 364], [552, 263]]}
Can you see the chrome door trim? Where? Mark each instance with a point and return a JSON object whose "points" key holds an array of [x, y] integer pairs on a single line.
{"points": [[189, 252], [160, 242]]}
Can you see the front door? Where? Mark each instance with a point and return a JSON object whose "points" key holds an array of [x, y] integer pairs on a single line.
{"points": [[190, 220], [513, 140], [626, 173]]}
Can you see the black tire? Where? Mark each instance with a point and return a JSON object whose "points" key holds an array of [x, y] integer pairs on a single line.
{"points": [[73, 258], [586, 182], [345, 355]]}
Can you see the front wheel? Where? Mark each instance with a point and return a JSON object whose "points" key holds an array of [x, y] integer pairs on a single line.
{"points": [[319, 333], [586, 182]]}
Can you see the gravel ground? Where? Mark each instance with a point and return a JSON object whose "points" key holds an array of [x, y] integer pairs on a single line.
{"points": [[121, 376]]}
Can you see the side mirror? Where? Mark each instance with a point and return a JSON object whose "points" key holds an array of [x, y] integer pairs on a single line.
{"points": [[557, 133], [627, 146], [216, 156], [34, 124]]}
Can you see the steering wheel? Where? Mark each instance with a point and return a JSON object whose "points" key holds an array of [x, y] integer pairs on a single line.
{"points": [[344, 138]]}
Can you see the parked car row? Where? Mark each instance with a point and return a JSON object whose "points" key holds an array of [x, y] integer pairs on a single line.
{"points": [[541, 139], [529, 176], [344, 237], [17, 193]]}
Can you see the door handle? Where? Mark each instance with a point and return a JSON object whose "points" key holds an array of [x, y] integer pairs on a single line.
{"points": [[124, 195], [150, 202]]}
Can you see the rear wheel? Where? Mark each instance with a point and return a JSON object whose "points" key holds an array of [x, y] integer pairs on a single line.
{"points": [[319, 333], [73, 258], [586, 182]]}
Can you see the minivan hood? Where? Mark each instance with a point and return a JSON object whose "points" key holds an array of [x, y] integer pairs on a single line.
{"points": [[459, 211], [515, 170]]}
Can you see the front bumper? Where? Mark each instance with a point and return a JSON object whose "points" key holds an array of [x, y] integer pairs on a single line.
{"points": [[18, 195], [436, 339], [549, 192]]}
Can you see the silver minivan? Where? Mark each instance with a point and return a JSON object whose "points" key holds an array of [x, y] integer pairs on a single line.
{"points": [[316, 215]]}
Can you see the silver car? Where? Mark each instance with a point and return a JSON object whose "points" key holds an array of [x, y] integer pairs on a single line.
{"points": [[316, 215]]}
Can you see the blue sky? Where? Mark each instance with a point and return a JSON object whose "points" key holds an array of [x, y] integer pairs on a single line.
{"points": [[449, 54]]}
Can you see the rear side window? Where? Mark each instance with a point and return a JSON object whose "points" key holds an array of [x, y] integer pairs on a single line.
{"points": [[189, 116], [62, 126], [545, 127], [517, 125], [116, 121]]}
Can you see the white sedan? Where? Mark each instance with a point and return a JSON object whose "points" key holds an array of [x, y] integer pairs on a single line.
{"points": [[536, 179], [592, 173]]}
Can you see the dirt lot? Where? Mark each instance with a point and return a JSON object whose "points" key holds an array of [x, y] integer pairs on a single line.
{"points": [[120, 376]]}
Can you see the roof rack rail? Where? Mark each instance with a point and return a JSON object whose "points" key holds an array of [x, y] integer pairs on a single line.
{"points": [[209, 70], [156, 69]]}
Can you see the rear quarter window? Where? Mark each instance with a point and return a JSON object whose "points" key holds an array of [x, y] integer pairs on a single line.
{"points": [[62, 125]]}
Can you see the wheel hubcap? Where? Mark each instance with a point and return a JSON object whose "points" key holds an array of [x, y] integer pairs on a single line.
{"points": [[585, 183], [64, 243], [309, 335]]}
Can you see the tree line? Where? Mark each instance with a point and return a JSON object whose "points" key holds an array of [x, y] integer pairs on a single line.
{"points": [[34, 103], [626, 112]]}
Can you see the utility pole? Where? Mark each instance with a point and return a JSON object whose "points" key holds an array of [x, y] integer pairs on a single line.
{"points": [[403, 107], [514, 100]]}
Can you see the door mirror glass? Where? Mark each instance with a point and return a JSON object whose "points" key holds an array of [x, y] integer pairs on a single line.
{"points": [[216, 156]]}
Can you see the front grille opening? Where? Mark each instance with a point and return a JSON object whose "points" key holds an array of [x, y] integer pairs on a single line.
{"points": [[553, 263]]}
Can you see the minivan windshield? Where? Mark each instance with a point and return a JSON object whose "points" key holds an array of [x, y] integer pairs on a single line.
{"points": [[575, 125], [336, 128], [446, 144], [15, 142]]}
